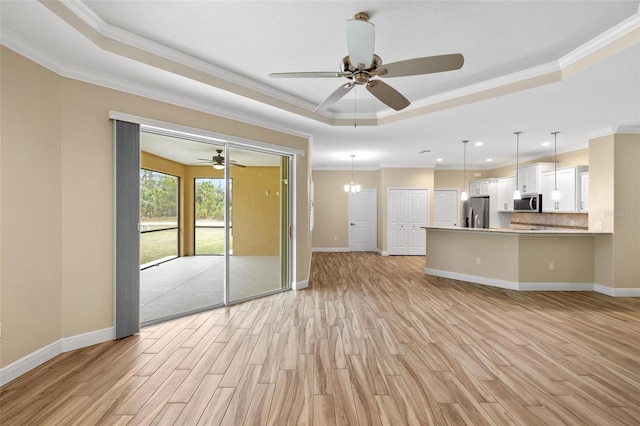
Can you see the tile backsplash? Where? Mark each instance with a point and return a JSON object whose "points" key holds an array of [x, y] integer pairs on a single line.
{"points": [[550, 220]]}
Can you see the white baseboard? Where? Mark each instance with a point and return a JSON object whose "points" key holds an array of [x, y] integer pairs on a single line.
{"points": [[513, 285], [616, 292], [330, 249], [383, 252], [510, 285], [299, 285], [39, 357], [86, 339]]}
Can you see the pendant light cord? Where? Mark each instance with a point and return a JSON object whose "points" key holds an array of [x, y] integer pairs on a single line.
{"points": [[517, 156], [555, 160], [464, 166]]}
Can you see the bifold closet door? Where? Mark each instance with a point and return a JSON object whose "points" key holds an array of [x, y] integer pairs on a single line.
{"points": [[407, 215]]}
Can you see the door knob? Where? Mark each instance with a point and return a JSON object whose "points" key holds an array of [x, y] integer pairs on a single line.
{"points": [[353, 224]]}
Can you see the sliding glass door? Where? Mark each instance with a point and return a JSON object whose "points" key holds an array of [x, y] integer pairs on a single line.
{"points": [[159, 221], [209, 215], [214, 223], [258, 223]]}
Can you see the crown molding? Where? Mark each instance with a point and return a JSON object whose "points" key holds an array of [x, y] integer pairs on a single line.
{"points": [[13, 42], [601, 41], [127, 38], [129, 45]]}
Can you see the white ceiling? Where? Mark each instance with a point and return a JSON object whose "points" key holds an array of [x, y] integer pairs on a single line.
{"points": [[215, 56]]}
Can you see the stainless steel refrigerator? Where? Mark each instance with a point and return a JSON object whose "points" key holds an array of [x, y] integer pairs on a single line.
{"points": [[476, 212]]}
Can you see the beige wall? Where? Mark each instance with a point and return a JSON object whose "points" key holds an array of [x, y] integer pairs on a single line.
{"points": [[571, 255], [516, 258], [31, 203], [331, 205], [57, 279], [626, 211], [457, 251]]}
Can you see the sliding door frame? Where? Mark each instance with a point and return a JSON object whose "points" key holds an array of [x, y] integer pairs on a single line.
{"points": [[198, 135]]}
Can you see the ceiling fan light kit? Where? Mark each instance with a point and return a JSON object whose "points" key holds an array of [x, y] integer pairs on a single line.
{"points": [[362, 65], [217, 161]]}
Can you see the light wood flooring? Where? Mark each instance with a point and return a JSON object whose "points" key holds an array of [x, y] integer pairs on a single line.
{"points": [[372, 341]]}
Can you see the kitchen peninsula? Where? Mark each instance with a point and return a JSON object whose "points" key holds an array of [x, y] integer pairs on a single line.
{"points": [[516, 259]]}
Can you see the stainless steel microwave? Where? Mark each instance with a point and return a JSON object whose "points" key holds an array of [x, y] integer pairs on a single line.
{"points": [[528, 203]]}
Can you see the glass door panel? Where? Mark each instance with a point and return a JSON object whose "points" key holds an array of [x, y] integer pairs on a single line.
{"points": [[258, 262], [191, 209], [209, 215], [159, 222]]}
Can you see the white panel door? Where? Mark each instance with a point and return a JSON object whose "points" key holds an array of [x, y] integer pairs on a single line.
{"points": [[445, 208], [407, 212], [417, 220], [362, 221], [397, 241]]}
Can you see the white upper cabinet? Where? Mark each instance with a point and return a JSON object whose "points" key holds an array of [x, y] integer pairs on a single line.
{"points": [[584, 192], [480, 188], [529, 177], [505, 194], [569, 187]]}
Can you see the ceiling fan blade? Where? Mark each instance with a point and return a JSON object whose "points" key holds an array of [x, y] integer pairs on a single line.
{"points": [[204, 159], [387, 94], [233, 163], [360, 41], [426, 65], [335, 97], [318, 74]]}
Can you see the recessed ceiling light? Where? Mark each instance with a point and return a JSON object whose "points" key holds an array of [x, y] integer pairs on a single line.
{"points": [[489, 160], [546, 143], [438, 159], [479, 143]]}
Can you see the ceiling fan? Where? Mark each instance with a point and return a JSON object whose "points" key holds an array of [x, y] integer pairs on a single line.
{"points": [[362, 65], [217, 161]]}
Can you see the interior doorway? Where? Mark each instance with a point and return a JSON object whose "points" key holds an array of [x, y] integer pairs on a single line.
{"points": [[363, 220]]}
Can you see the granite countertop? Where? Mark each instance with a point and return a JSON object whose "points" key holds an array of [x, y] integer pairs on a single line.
{"points": [[553, 231]]}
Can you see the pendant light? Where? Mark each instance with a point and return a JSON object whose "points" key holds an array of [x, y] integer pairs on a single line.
{"points": [[516, 193], [352, 188], [555, 194], [464, 196]]}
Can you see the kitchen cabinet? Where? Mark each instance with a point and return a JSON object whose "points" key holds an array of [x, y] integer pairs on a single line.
{"points": [[480, 188], [584, 192], [569, 187], [529, 178], [505, 194]]}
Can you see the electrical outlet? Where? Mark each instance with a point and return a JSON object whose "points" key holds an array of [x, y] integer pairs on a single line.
{"points": [[478, 261], [552, 266]]}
